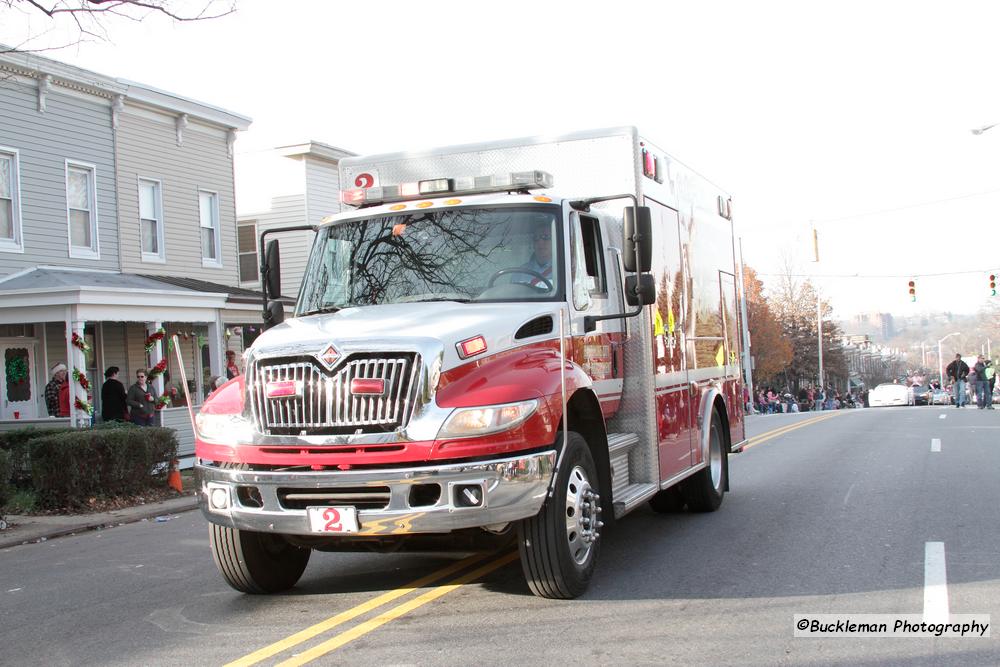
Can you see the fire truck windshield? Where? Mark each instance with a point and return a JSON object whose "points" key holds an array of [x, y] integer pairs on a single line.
{"points": [[458, 254]]}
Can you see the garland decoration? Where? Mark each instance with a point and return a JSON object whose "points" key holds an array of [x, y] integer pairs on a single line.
{"points": [[154, 337], [84, 405], [17, 370], [162, 402], [79, 342], [81, 379], [157, 370]]}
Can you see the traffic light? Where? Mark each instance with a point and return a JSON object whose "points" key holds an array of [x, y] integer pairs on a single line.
{"points": [[913, 290], [993, 285]]}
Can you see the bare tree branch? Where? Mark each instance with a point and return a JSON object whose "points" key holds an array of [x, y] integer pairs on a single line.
{"points": [[89, 18]]}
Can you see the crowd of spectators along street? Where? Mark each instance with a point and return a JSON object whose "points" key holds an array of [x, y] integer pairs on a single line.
{"points": [[768, 401]]}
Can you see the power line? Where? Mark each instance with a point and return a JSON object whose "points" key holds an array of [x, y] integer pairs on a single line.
{"points": [[876, 275]]}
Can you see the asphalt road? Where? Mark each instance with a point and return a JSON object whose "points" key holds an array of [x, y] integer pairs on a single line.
{"points": [[831, 516]]}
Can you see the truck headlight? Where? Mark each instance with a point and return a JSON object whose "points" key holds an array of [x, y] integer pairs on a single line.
{"points": [[223, 428], [488, 419]]}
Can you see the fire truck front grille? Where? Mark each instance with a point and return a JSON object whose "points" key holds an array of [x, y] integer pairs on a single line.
{"points": [[312, 401]]}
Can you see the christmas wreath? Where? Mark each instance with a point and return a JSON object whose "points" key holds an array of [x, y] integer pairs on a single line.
{"points": [[84, 405], [162, 402], [17, 370]]}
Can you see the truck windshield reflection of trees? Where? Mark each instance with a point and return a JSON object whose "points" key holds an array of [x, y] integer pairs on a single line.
{"points": [[454, 255]]}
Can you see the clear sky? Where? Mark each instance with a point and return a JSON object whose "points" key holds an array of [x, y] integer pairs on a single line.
{"points": [[853, 116]]}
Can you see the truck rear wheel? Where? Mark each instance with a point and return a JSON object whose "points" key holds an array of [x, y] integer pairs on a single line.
{"points": [[703, 491], [559, 546], [256, 562]]}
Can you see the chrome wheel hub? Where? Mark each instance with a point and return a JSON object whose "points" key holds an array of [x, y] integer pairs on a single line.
{"points": [[715, 457], [583, 511]]}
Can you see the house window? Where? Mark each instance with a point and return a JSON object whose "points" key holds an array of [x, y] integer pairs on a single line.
{"points": [[208, 207], [81, 198], [10, 205], [151, 220], [246, 237]]}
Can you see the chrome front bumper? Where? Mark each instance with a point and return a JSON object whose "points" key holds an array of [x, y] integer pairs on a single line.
{"points": [[512, 489]]}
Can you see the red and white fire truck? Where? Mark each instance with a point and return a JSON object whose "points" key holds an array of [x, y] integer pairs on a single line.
{"points": [[520, 340]]}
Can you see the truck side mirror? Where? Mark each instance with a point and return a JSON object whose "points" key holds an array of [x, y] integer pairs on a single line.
{"points": [[272, 270], [274, 314], [638, 237], [640, 289]]}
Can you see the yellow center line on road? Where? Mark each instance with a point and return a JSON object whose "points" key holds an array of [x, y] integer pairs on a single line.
{"points": [[764, 437], [364, 628], [354, 612]]}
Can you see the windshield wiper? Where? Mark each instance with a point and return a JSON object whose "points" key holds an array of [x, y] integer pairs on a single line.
{"points": [[439, 298], [324, 309]]}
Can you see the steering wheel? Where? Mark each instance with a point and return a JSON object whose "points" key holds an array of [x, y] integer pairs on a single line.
{"points": [[517, 269]]}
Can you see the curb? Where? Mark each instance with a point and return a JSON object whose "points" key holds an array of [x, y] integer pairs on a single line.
{"points": [[40, 533]]}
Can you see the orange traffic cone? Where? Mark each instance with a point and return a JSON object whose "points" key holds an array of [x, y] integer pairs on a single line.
{"points": [[174, 478]]}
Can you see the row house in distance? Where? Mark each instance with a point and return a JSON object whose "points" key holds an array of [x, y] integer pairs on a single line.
{"points": [[286, 186], [117, 220]]}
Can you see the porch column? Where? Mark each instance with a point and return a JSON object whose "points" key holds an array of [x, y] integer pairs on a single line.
{"points": [[216, 347], [78, 360], [155, 355]]}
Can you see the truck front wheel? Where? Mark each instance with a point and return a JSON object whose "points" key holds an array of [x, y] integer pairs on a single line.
{"points": [[256, 562], [559, 545]]}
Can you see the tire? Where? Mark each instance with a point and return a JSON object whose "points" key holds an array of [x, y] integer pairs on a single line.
{"points": [[256, 562], [556, 556], [703, 491], [668, 501]]}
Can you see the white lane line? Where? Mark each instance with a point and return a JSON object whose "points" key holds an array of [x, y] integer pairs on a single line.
{"points": [[943, 417], [935, 584], [848, 495], [935, 444]]}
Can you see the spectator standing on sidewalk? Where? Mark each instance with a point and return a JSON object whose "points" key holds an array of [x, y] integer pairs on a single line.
{"points": [[141, 400], [980, 379], [991, 379], [957, 372]]}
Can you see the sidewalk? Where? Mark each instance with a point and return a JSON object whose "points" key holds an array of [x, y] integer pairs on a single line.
{"points": [[26, 529]]}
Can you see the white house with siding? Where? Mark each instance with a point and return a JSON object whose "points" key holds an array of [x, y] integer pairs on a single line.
{"points": [[117, 218]]}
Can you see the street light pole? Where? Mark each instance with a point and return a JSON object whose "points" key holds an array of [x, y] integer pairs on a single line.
{"points": [[819, 312], [941, 359]]}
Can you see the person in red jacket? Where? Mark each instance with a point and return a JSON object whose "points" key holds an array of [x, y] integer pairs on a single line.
{"points": [[64, 399]]}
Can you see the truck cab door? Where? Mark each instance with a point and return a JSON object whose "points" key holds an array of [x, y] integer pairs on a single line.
{"points": [[595, 289]]}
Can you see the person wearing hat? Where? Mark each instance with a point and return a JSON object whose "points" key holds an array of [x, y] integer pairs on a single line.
{"points": [[59, 376], [113, 407]]}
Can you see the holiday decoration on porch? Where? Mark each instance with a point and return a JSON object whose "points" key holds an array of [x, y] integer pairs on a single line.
{"points": [[162, 402], [81, 379], [79, 342], [17, 370], [84, 406], [157, 370], [153, 337]]}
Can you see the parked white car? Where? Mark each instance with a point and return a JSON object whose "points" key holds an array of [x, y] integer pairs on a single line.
{"points": [[890, 394]]}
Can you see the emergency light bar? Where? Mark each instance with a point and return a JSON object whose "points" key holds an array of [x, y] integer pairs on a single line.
{"points": [[467, 185]]}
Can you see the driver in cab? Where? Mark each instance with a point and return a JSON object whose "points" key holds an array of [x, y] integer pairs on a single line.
{"points": [[540, 263]]}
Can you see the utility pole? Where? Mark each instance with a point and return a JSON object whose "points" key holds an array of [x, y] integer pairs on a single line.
{"points": [[819, 311]]}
